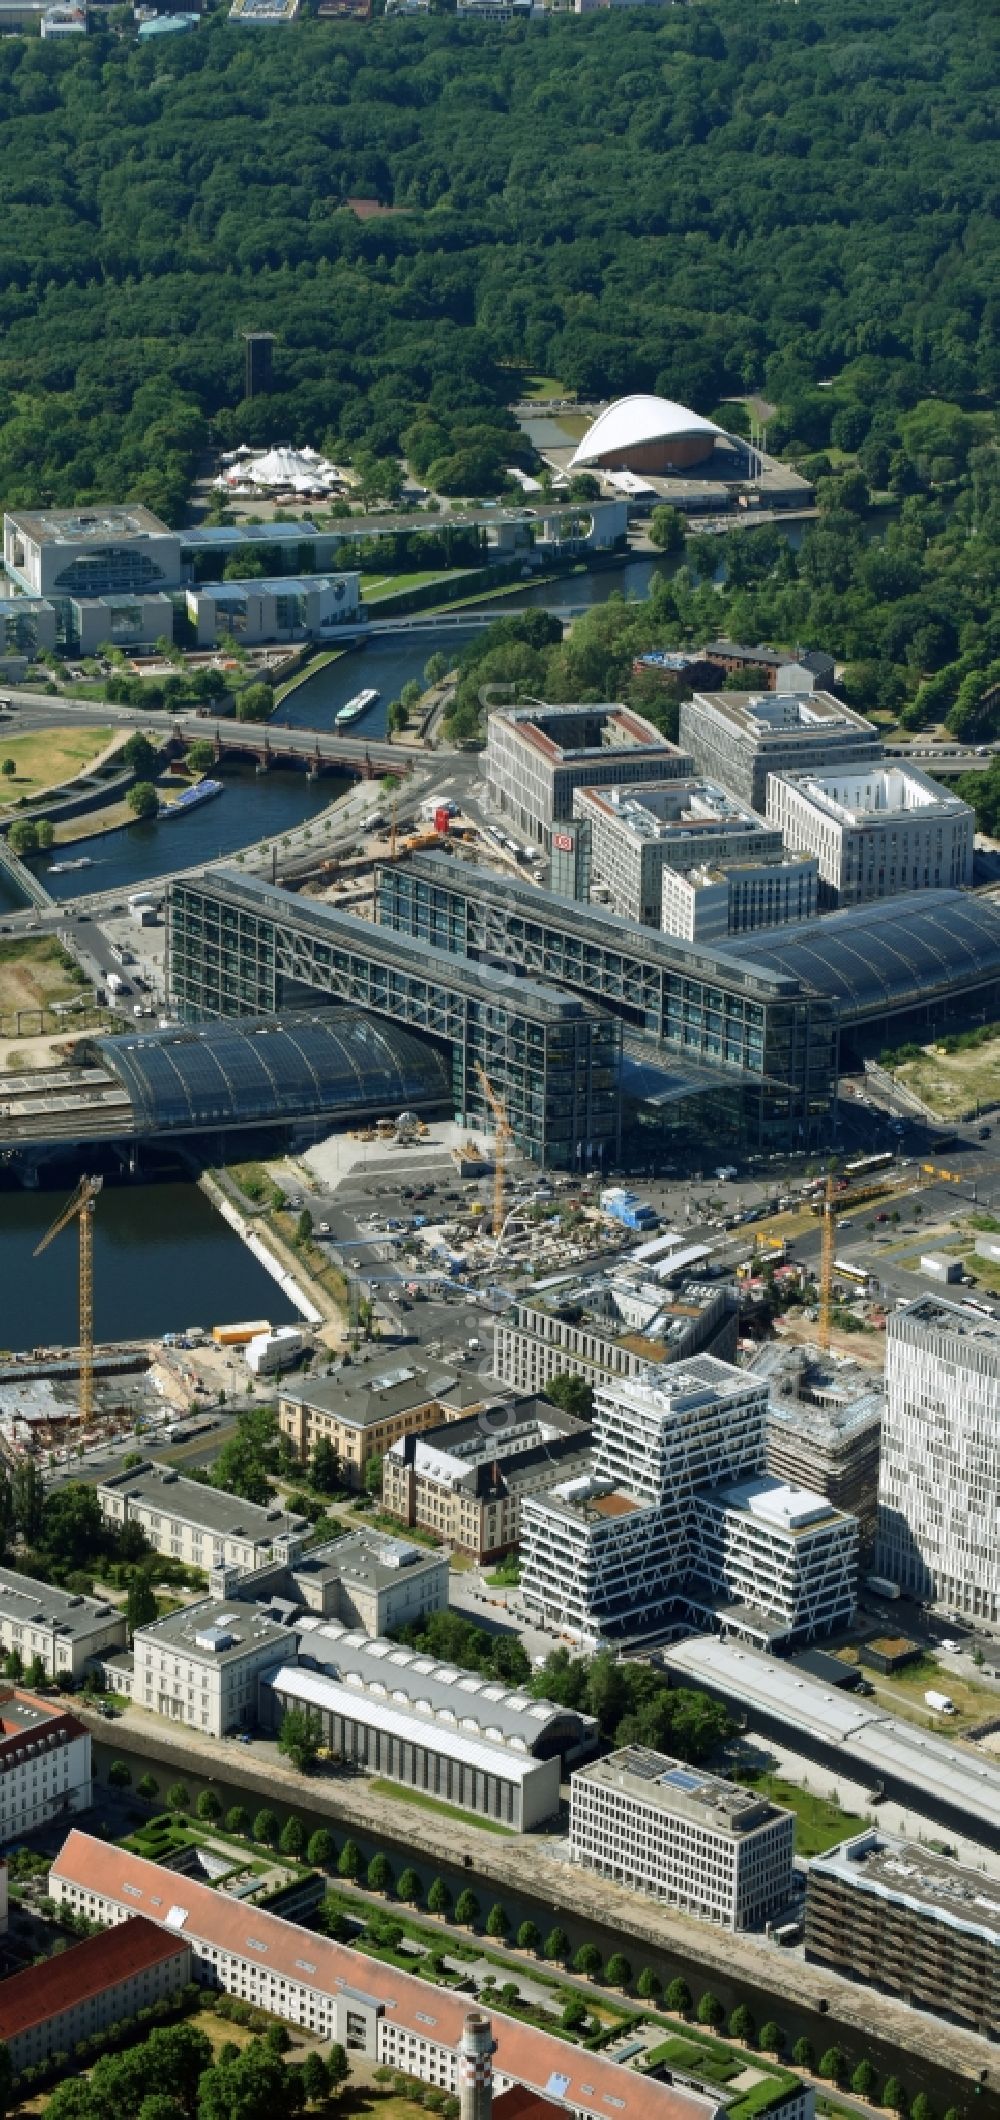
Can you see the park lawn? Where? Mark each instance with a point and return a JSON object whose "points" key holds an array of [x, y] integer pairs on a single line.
{"points": [[35, 973], [396, 1790], [507, 1575], [972, 1701], [378, 585], [256, 1184], [536, 388], [819, 1823], [47, 759]]}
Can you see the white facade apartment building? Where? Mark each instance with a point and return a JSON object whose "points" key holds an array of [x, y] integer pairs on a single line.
{"points": [[939, 1479], [635, 834], [69, 1632], [874, 830], [45, 1766], [199, 1525], [736, 898], [603, 1555], [707, 1846], [783, 1551], [200, 1666], [388, 2016]]}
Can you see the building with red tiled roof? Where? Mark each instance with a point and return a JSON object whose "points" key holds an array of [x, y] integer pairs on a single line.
{"points": [[50, 2007], [371, 2008], [45, 1768]]}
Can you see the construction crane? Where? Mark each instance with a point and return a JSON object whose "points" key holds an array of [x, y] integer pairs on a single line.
{"points": [[833, 1204], [504, 1135], [81, 1209]]}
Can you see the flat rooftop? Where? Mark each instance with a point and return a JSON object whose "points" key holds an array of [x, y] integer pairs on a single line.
{"points": [[372, 1558], [661, 810], [905, 1872], [828, 1397], [763, 715], [207, 1508], [679, 1790], [229, 592], [29, 1603], [75, 526], [522, 1429], [775, 1502], [217, 1631], [881, 793], [565, 735], [977, 1322]]}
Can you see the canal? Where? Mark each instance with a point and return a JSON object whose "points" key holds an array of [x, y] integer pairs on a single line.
{"points": [[163, 1259], [244, 1779]]}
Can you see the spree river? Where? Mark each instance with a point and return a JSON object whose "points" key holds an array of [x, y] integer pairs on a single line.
{"points": [[163, 1259]]}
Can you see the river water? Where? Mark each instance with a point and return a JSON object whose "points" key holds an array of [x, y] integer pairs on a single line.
{"points": [[391, 660], [163, 1259], [254, 806]]}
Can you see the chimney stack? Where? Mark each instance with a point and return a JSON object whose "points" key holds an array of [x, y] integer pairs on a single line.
{"points": [[475, 2068]]}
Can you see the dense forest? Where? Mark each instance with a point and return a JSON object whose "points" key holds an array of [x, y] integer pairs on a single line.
{"points": [[700, 200]]}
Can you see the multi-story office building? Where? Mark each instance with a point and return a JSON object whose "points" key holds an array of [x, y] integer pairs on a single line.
{"points": [[874, 830], [68, 1631], [387, 2016], [741, 738], [631, 835], [362, 1411], [466, 1481], [127, 622], [363, 1579], [285, 608], [45, 1769], [200, 1666], [199, 1525], [101, 551], [536, 756], [824, 1424], [707, 1846], [783, 1552], [237, 947], [907, 1922], [708, 904], [27, 626], [678, 1519], [51, 2006], [756, 1053], [939, 1483], [605, 1325]]}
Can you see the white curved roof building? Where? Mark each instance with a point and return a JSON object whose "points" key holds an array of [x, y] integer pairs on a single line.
{"points": [[647, 434]]}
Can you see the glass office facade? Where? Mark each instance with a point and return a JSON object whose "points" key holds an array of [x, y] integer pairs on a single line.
{"points": [[237, 947]]}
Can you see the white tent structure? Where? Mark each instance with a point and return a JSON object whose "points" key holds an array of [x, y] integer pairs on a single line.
{"points": [[283, 470]]}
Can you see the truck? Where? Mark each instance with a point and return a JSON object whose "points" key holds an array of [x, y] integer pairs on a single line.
{"points": [[941, 1703], [880, 1586]]}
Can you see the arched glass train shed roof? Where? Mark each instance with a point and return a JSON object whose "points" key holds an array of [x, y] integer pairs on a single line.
{"points": [[896, 954], [253, 1070]]}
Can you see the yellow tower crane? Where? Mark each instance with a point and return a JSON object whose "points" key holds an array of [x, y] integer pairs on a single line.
{"points": [[504, 1135], [832, 1205], [81, 1209]]}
